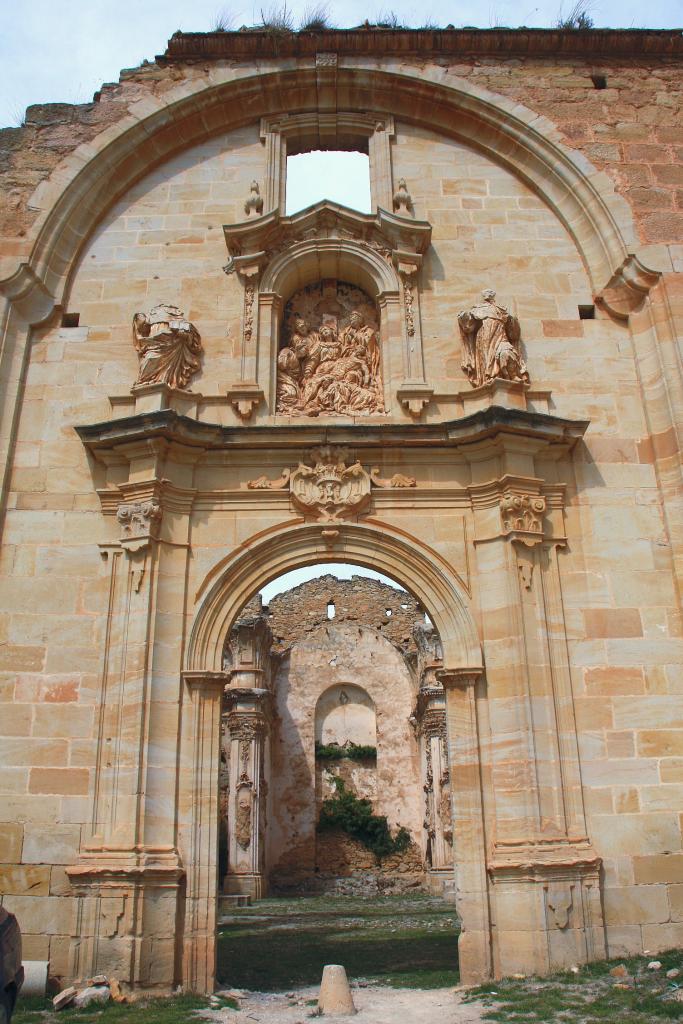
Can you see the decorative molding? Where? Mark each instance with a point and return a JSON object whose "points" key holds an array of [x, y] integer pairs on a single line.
{"points": [[397, 480], [330, 488], [458, 678], [140, 522], [415, 397], [245, 397], [627, 289], [522, 517]]}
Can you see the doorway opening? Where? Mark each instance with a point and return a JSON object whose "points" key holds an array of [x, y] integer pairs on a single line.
{"points": [[335, 786]]}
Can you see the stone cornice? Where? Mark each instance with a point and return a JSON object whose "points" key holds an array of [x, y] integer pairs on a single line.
{"points": [[167, 425], [504, 43], [251, 243]]}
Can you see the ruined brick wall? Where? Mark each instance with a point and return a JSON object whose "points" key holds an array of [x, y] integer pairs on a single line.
{"points": [[630, 128], [334, 654], [298, 612]]}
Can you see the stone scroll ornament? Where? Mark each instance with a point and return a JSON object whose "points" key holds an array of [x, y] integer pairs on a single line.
{"points": [[491, 343], [329, 363], [331, 486], [168, 347]]}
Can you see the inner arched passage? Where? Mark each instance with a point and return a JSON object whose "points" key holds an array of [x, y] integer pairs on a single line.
{"points": [[350, 724]]}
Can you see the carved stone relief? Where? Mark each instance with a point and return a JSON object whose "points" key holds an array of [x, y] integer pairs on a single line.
{"points": [[403, 202], [331, 486], [254, 203], [491, 343], [243, 815], [168, 347], [522, 513], [139, 521], [329, 361]]}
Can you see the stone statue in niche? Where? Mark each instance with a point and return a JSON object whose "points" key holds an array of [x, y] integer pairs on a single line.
{"points": [[168, 347], [491, 343], [330, 360]]}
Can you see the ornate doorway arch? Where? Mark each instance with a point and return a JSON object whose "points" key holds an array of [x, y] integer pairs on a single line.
{"points": [[225, 591]]}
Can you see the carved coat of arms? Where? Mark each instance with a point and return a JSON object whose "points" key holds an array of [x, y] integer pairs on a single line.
{"points": [[330, 487]]}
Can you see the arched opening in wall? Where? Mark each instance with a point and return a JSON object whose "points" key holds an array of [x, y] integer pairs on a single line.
{"points": [[340, 176], [335, 789]]}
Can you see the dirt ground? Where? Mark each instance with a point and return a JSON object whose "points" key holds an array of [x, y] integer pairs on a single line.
{"points": [[375, 1004]]}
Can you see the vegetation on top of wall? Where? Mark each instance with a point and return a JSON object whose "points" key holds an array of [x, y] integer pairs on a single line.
{"points": [[279, 20], [578, 18], [351, 751], [354, 816]]}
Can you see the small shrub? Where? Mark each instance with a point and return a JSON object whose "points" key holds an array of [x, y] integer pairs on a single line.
{"points": [[315, 19], [277, 20], [351, 751], [354, 816], [578, 18]]}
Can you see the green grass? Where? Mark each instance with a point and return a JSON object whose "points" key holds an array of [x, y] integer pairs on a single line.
{"points": [[400, 941], [587, 997], [175, 1010]]}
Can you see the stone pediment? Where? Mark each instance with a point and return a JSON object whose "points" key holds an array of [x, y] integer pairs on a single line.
{"points": [[254, 243]]}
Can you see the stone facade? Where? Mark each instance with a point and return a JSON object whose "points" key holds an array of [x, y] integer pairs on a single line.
{"points": [[539, 524]]}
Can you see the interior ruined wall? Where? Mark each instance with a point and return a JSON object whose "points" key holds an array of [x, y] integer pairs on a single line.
{"points": [[334, 655]]}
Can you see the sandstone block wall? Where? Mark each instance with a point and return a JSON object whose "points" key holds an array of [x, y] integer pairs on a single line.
{"points": [[609, 575]]}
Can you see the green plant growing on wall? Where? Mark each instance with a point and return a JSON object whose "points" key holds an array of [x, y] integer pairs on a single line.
{"points": [[354, 816], [351, 751]]}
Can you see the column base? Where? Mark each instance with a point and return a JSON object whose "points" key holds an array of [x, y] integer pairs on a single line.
{"points": [[441, 882], [546, 909], [245, 885], [125, 922]]}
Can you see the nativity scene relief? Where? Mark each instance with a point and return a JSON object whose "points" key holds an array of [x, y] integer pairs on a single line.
{"points": [[329, 362]]}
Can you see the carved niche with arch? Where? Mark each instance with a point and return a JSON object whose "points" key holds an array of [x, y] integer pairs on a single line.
{"points": [[276, 255]]}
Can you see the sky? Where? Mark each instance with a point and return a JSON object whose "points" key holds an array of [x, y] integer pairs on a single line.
{"points": [[63, 50]]}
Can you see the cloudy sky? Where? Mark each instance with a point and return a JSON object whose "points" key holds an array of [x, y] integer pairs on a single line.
{"points": [[63, 50]]}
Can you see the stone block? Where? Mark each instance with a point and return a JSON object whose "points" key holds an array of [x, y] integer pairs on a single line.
{"points": [[51, 844], [60, 781], [11, 840], [24, 880], [636, 904], [40, 914]]}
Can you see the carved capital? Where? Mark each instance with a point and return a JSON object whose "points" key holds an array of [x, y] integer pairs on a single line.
{"points": [[140, 522], [522, 517], [458, 678]]}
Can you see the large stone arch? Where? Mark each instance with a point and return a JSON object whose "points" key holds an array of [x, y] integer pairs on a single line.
{"points": [[221, 597], [90, 180], [424, 573]]}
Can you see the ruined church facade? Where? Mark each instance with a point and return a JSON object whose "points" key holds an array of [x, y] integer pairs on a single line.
{"points": [[474, 389]]}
